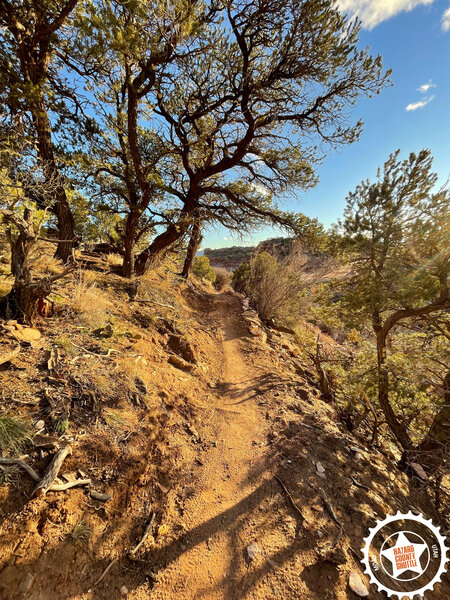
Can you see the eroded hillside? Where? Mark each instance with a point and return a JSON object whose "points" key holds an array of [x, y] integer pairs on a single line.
{"points": [[223, 473]]}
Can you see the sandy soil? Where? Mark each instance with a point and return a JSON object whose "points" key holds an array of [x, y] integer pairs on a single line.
{"points": [[260, 419]]}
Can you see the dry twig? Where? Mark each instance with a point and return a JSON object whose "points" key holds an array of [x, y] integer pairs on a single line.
{"points": [[145, 536], [291, 500]]}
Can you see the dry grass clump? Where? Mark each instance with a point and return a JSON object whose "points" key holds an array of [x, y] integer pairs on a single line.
{"points": [[81, 533], [14, 433], [223, 278], [89, 301], [135, 379], [113, 260], [43, 261]]}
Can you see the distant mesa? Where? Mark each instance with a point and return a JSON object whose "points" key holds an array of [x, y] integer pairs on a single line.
{"points": [[281, 248], [231, 258]]}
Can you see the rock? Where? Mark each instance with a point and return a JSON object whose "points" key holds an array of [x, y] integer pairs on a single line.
{"points": [[180, 363], [252, 550], [418, 470], [26, 334], [319, 533], [124, 590], [45, 442], [257, 332], [8, 356], [26, 583], [182, 348], [356, 585], [320, 471], [39, 425], [99, 496]]}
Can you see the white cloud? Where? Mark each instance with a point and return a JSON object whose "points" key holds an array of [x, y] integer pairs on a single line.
{"points": [[426, 86], [445, 21], [374, 12], [419, 104]]}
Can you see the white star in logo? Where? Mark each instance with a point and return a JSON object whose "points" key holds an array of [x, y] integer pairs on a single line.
{"points": [[405, 556]]}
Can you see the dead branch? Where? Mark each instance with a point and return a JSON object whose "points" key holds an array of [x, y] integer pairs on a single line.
{"points": [[145, 536], [360, 485], [22, 464], [330, 508], [47, 481], [291, 500], [59, 487], [105, 572], [54, 241], [107, 355]]}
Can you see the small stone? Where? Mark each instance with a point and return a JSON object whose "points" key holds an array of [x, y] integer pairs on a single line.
{"points": [[39, 425], [124, 590], [419, 470], [27, 334], [26, 583], [252, 550], [319, 533], [356, 585]]}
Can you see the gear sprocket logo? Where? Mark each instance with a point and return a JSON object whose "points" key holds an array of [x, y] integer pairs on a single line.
{"points": [[405, 555]]}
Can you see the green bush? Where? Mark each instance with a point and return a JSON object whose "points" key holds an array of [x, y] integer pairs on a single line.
{"points": [[202, 269]]}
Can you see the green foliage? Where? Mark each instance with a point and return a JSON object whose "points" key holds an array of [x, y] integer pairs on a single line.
{"points": [[240, 277], [14, 434], [395, 232], [202, 269]]}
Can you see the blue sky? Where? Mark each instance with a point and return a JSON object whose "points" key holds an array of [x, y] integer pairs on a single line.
{"points": [[413, 37]]}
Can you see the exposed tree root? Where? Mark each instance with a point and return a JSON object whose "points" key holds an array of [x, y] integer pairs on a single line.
{"points": [[47, 483]]}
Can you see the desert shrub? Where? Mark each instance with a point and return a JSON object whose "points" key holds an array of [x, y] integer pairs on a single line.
{"points": [[13, 433], [202, 269], [275, 289], [223, 278], [240, 276]]}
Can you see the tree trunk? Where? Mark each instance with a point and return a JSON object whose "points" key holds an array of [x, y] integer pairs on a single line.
{"points": [[60, 206], [161, 243], [128, 264], [22, 300], [192, 249], [397, 428]]}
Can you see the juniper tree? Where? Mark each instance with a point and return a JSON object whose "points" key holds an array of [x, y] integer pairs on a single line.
{"points": [[240, 116], [29, 31], [396, 231]]}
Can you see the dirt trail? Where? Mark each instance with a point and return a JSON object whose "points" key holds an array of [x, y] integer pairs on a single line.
{"points": [[229, 489]]}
